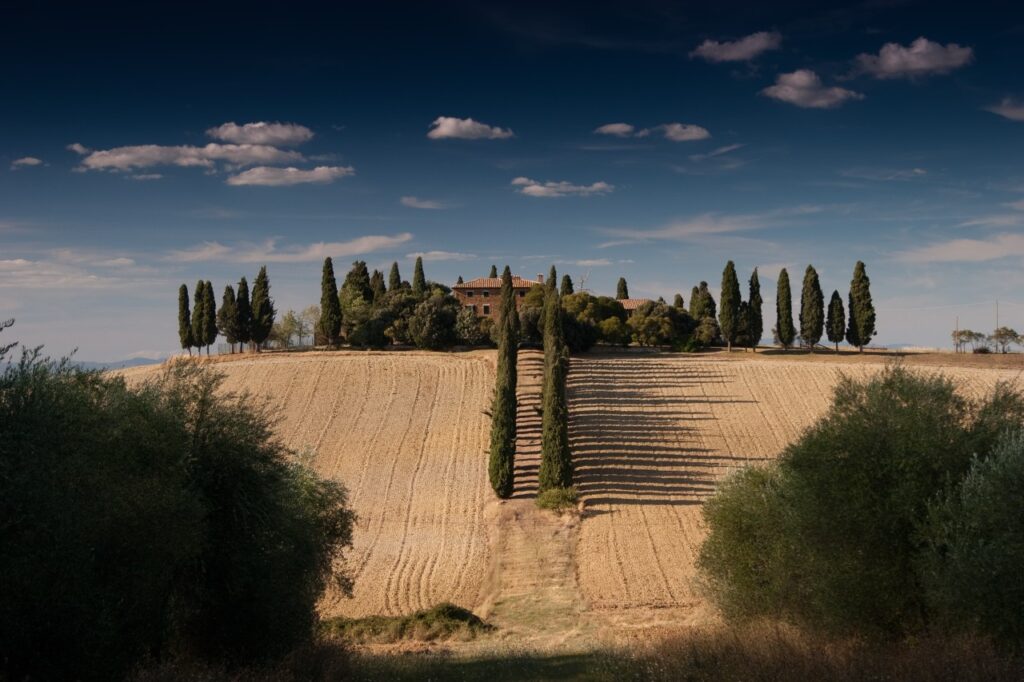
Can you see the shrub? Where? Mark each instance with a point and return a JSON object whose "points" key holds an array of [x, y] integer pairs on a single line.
{"points": [[615, 332], [468, 329], [432, 325], [652, 324], [442, 622], [559, 499]]}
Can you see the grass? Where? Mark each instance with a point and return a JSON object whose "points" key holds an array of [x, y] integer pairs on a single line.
{"points": [[438, 623], [559, 499]]}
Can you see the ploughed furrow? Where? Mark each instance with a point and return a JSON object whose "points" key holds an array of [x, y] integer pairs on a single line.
{"points": [[530, 374]]}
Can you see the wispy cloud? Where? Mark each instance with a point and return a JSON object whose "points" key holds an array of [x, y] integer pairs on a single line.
{"points": [[426, 204], [1008, 108], [803, 88], [145, 176], [441, 255], [262, 132], [998, 220], [533, 188], [268, 251], [449, 127], [966, 250], [676, 132], [707, 224], [884, 174], [716, 152], [207, 156], [616, 129], [266, 176], [921, 58], [26, 161], [741, 50]]}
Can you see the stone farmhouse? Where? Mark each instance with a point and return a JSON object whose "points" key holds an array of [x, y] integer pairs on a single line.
{"points": [[483, 295]]}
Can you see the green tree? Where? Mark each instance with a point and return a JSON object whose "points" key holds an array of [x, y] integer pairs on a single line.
{"points": [[812, 309], [614, 331], [184, 320], [357, 281], [459, 280], [227, 317], [432, 324], [503, 408], [1003, 337], [784, 330], [262, 309], [755, 320], [651, 324], [556, 463], [566, 288], [493, 274], [861, 312], [329, 324], [678, 303], [729, 311], [377, 285], [419, 281], [467, 327], [209, 316], [244, 308], [622, 289], [199, 316], [394, 278], [835, 324], [695, 308]]}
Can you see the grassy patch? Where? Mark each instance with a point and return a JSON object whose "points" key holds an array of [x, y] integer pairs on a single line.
{"points": [[559, 499], [442, 622]]}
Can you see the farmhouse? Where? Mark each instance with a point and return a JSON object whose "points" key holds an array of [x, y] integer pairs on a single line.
{"points": [[631, 304], [483, 294]]}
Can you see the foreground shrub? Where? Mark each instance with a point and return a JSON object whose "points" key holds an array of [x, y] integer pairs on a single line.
{"points": [[837, 523], [559, 499], [441, 622]]}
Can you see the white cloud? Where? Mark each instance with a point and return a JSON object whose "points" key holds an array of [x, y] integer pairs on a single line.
{"points": [[262, 132], [148, 155], [73, 269], [145, 176], [440, 255], [1008, 108], [25, 161], [533, 188], [740, 50], [804, 89], [967, 250], [449, 127], [269, 252], [78, 148], [265, 176], [416, 202], [708, 224], [716, 152], [1017, 205], [921, 58], [884, 174], [1003, 220], [616, 129]]}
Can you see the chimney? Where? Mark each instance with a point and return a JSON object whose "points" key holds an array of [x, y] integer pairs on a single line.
{"points": [[540, 278]]}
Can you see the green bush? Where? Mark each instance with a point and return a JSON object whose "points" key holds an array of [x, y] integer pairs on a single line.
{"points": [[432, 325], [442, 622], [559, 499]]}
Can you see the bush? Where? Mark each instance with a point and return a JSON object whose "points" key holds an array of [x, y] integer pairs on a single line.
{"points": [[432, 325], [559, 499], [652, 324], [469, 329], [838, 524], [580, 334], [442, 622], [615, 332]]}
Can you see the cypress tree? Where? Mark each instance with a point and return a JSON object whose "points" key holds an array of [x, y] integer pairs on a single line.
{"points": [[503, 410], [567, 288], [695, 303], [394, 278], [459, 280], [357, 281], [419, 282], [184, 320], [198, 316], [812, 309], [755, 320], [728, 314], [377, 285], [622, 289], [861, 324], [329, 324], [243, 308], [209, 316], [262, 309], [227, 317], [555, 463], [784, 330], [678, 303], [494, 272], [835, 325]]}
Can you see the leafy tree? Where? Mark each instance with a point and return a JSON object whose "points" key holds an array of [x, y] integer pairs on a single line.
{"points": [[467, 328], [184, 320], [377, 285], [728, 314], [566, 288], [706, 332], [329, 324], [227, 317], [784, 330], [397, 308], [244, 308], [651, 324], [1003, 337], [614, 331], [861, 312], [812, 309], [262, 309], [199, 316], [835, 324], [432, 325], [394, 278], [755, 319], [365, 324], [209, 316], [531, 314], [503, 409], [678, 303], [357, 281], [493, 274], [621, 289], [286, 329], [419, 282], [695, 309], [702, 303], [556, 464]]}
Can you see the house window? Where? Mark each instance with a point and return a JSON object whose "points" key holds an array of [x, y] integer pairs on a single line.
{"points": [[469, 294], [485, 294], [522, 294], [487, 310]]}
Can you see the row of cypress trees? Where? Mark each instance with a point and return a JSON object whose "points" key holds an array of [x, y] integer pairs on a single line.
{"points": [[555, 462], [503, 406], [239, 319]]}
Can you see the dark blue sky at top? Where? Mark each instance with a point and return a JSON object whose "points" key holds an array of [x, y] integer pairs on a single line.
{"points": [[917, 162]]}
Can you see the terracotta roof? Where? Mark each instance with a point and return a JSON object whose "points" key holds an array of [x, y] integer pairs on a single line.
{"points": [[495, 283], [633, 303]]}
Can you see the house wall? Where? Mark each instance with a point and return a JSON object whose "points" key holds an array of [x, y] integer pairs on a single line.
{"points": [[489, 297]]}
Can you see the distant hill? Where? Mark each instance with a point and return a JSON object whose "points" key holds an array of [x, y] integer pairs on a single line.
{"points": [[117, 364]]}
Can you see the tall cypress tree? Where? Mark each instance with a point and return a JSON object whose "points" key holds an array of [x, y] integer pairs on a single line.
{"points": [[419, 281], [861, 325], [227, 317], [755, 319], [209, 316], [199, 316], [621, 289], [566, 288], [555, 463], [678, 303], [184, 320], [503, 410], [784, 330], [357, 281], [729, 312], [695, 303], [493, 274], [459, 280], [329, 324], [243, 308], [262, 309], [812, 309], [394, 278], [835, 325], [377, 285]]}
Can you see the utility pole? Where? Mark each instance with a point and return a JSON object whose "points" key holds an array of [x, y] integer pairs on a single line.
{"points": [[956, 336]]}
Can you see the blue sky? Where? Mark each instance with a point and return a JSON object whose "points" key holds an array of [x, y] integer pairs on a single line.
{"points": [[653, 141]]}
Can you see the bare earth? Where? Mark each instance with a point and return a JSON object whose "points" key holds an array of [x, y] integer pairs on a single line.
{"points": [[652, 434]]}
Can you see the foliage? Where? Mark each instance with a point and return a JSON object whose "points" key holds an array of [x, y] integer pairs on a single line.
{"points": [[556, 464], [394, 278], [329, 324], [493, 274], [503, 406], [468, 329], [861, 312], [785, 333], [398, 307], [559, 499], [651, 324], [706, 333], [678, 303], [754, 326], [209, 316], [729, 311], [432, 325], [580, 334], [702, 303], [357, 282], [835, 324], [1003, 337], [262, 308], [243, 308], [227, 317], [615, 332], [377, 285], [184, 320], [445, 621], [531, 314], [199, 315], [566, 288], [621, 289], [812, 309], [419, 282]]}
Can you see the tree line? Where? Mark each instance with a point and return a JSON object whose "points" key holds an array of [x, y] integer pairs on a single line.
{"points": [[241, 320], [1001, 339]]}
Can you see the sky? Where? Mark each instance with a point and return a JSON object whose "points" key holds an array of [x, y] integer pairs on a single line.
{"points": [[146, 147]]}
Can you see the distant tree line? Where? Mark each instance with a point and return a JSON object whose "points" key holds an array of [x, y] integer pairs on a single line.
{"points": [[241, 320], [1001, 339]]}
